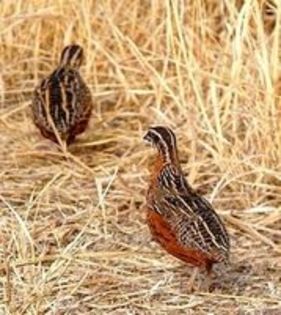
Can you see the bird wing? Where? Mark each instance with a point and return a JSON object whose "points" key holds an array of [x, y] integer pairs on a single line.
{"points": [[190, 215], [63, 97], [205, 230]]}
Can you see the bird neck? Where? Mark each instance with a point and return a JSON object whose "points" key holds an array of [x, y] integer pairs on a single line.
{"points": [[68, 66], [160, 162], [168, 155]]}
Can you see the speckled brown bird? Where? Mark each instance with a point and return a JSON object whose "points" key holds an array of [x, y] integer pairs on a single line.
{"points": [[181, 221], [62, 102]]}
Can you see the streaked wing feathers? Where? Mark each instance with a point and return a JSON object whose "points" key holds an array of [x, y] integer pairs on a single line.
{"points": [[191, 216], [64, 98]]}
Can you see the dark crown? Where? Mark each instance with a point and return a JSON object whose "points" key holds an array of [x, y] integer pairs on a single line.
{"points": [[72, 56], [160, 135]]}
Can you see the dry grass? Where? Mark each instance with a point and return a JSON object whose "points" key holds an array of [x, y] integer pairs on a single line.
{"points": [[72, 229]]}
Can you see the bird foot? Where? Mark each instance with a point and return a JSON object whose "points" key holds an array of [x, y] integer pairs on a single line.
{"points": [[191, 284], [47, 145], [195, 286]]}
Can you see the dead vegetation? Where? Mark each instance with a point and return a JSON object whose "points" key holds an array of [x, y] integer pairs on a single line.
{"points": [[72, 230]]}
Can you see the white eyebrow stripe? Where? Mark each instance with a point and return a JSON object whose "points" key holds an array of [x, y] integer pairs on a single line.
{"points": [[65, 56], [168, 146], [164, 143], [75, 56]]}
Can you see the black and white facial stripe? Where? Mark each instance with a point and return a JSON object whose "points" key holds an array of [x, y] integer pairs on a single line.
{"points": [[164, 140], [72, 56]]}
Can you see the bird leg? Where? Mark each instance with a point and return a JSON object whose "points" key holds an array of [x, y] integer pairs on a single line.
{"points": [[208, 281], [47, 145], [191, 282]]}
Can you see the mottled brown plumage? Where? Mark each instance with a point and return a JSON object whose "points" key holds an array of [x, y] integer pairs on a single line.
{"points": [[181, 221], [62, 102]]}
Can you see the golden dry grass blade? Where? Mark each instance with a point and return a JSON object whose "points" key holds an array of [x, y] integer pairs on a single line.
{"points": [[73, 236]]}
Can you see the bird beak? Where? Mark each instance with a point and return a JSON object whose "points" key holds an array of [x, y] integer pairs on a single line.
{"points": [[146, 138]]}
